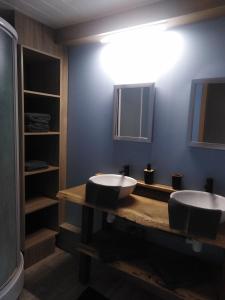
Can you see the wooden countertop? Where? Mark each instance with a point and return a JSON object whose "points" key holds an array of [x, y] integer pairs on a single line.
{"points": [[141, 210]]}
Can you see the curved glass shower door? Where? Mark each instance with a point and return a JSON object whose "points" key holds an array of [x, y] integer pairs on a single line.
{"points": [[9, 201]]}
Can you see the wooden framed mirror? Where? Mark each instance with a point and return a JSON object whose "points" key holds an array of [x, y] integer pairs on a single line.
{"points": [[133, 112], [207, 113]]}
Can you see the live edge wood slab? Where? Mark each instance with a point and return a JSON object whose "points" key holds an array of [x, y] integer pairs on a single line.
{"points": [[141, 210]]}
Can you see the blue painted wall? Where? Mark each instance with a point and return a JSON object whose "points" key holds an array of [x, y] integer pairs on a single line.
{"points": [[90, 112], [90, 145]]}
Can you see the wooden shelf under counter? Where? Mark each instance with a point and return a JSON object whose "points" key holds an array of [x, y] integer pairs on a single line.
{"points": [[140, 268]]}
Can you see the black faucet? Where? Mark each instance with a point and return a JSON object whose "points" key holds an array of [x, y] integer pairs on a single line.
{"points": [[125, 171], [209, 185]]}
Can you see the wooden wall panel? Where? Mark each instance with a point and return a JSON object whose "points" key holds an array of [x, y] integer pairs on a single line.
{"points": [[63, 132], [36, 35]]}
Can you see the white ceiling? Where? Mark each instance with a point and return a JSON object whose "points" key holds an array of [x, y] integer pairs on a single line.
{"points": [[60, 13]]}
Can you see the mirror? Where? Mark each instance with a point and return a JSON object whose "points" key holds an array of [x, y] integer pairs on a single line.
{"points": [[207, 113], [133, 112]]}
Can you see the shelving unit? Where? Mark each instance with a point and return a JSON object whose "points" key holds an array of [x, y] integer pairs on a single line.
{"points": [[40, 93]]}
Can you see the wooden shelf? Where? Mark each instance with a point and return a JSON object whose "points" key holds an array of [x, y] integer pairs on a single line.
{"points": [[39, 237], [49, 169], [156, 186], [70, 227], [38, 203], [141, 210], [42, 133], [140, 269], [202, 292], [33, 93], [68, 238]]}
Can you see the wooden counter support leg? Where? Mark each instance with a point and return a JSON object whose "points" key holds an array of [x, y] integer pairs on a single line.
{"points": [[86, 235], [105, 224]]}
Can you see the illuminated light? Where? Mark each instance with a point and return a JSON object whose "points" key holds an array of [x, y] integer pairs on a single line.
{"points": [[137, 32], [142, 55]]}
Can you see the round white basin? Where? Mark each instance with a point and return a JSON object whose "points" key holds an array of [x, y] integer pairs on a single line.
{"points": [[200, 199], [125, 183]]}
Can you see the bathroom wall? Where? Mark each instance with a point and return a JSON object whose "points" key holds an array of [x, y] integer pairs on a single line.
{"points": [[90, 145]]}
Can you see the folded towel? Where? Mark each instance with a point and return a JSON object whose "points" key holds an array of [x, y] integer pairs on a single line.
{"points": [[37, 127], [35, 122], [32, 165], [36, 117]]}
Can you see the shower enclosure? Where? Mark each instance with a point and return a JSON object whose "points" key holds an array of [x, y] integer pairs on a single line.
{"points": [[11, 260]]}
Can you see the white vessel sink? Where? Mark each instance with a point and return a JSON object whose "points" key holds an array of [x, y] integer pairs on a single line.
{"points": [[200, 199], [196, 213], [125, 183]]}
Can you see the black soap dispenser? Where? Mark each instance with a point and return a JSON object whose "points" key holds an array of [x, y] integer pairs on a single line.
{"points": [[209, 185], [149, 174]]}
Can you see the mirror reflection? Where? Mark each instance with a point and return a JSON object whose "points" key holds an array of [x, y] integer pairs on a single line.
{"points": [[208, 113], [133, 115]]}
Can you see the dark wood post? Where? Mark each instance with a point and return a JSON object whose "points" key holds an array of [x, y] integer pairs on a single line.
{"points": [[86, 236], [222, 280]]}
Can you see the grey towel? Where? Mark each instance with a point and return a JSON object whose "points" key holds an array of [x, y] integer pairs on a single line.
{"points": [[32, 165], [35, 122], [37, 118], [37, 127]]}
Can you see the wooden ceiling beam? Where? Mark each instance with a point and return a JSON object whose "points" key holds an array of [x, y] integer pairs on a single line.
{"points": [[174, 12]]}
